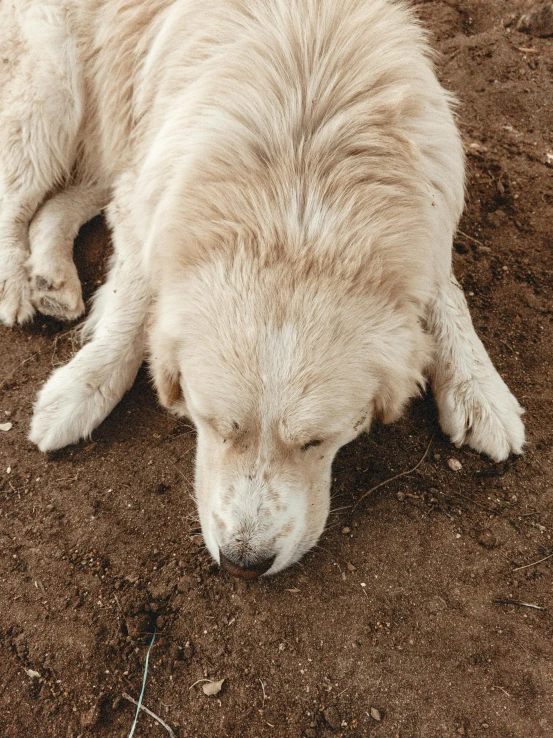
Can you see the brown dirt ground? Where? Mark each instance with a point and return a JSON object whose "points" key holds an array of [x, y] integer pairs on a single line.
{"points": [[398, 609]]}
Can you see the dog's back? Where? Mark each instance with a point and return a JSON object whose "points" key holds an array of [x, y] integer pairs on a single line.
{"points": [[318, 122]]}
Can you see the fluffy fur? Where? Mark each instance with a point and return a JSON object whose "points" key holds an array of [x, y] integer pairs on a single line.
{"points": [[284, 179]]}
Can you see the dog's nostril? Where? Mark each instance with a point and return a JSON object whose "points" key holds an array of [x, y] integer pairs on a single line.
{"points": [[246, 570]]}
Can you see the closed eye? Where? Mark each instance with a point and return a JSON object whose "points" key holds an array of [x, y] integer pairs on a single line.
{"points": [[226, 430], [311, 444]]}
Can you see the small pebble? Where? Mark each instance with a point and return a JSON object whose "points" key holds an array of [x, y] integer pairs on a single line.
{"points": [[5, 427], [454, 464], [400, 496], [376, 714], [351, 567], [346, 530]]}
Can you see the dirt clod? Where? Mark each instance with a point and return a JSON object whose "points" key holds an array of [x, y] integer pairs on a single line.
{"points": [[332, 717], [539, 20], [91, 716], [138, 626], [487, 539]]}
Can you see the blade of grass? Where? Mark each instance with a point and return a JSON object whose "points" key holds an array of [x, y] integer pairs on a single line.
{"points": [[139, 703]]}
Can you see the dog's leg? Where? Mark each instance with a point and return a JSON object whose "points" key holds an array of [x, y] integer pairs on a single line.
{"points": [[79, 395], [40, 111], [55, 284], [475, 404], [15, 293]]}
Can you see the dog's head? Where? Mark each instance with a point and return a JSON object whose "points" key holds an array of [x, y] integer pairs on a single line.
{"points": [[277, 371]]}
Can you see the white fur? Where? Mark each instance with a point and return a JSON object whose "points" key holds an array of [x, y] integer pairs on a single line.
{"points": [[41, 98], [476, 406], [79, 395], [285, 178], [55, 284]]}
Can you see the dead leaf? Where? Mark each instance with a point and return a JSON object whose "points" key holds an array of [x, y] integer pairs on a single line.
{"points": [[212, 688], [6, 427]]}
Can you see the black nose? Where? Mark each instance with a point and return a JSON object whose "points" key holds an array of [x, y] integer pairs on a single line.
{"points": [[246, 570]]}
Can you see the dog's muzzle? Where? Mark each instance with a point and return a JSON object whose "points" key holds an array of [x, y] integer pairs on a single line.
{"points": [[249, 570]]}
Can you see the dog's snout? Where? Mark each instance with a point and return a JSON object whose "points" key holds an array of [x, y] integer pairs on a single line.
{"points": [[246, 569]]}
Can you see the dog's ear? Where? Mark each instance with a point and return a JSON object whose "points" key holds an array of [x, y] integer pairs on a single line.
{"points": [[401, 376], [395, 391], [167, 383], [166, 373]]}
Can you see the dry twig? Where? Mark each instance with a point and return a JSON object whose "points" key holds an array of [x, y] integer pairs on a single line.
{"points": [[151, 714], [396, 476], [519, 604], [496, 686], [471, 238], [534, 563], [263, 688]]}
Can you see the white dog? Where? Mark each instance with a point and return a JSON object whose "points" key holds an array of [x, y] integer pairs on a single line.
{"points": [[283, 179]]}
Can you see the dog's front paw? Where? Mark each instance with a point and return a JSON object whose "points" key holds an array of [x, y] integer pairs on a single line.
{"points": [[482, 412], [71, 404], [15, 295], [56, 290]]}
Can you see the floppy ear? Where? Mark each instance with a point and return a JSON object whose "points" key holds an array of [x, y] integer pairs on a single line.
{"points": [[167, 383], [401, 376], [395, 392], [166, 373]]}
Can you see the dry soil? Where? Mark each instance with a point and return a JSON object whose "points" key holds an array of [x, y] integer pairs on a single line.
{"points": [[399, 623]]}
